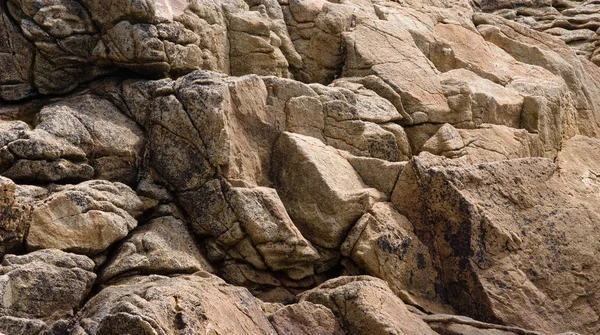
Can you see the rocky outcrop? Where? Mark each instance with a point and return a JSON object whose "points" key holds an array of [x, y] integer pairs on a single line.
{"points": [[85, 218], [366, 305], [323, 193], [574, 22], [47, 285], [162, 246], [305, 318], [504, 238], [198, 304], [293, 148]]}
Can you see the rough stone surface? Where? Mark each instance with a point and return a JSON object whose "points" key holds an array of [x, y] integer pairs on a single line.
{"points": [[162, 246], [504, 230], [47, 284], [321, 190], [366, 305], [383, 244], [197, 304], [85, 218], [15, 218], [305, 318]]}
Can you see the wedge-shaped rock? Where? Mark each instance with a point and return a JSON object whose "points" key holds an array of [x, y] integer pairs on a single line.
{"points": [[511, 238], [162, 246], [190, 304], [321, 191], [85, 218], [305, 318], [376, 173], [45, 284], [383, 244], [265, 220], [366, 305]]}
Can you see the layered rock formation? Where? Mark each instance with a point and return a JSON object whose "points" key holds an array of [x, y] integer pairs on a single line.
{"points": [[299, 167]]}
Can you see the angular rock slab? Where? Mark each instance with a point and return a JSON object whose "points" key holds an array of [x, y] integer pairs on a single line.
{"points": [[190, 304], [265, 220], [383, 244], [84, 218], [46, 284], [305, 318], [320, 189], [162, 246], [512, 238], [366, 305]]}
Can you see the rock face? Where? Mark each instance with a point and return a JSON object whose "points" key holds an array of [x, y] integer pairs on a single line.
{"points": [[85, 218], [305, 318], [323, 193], [343, 166], [366, 305], [505, 230], [197, 304], [571, 21], [47, 284], [163, 245]]}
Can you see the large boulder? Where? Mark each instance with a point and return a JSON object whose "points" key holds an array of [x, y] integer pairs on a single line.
{"points": [[162, 246], [85, 218], [366, 305], [194, 304], [322, 192], [512, 237], [46, 284]]}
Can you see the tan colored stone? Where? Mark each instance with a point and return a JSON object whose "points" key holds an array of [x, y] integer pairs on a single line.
{"points": [[265, 220], [45, 284], [198, 304], [377, 173], [383, 244], [85, 218], [322, 193], [366, 305], [161, 246], [502, 235], [305, 318], [15, 218]]}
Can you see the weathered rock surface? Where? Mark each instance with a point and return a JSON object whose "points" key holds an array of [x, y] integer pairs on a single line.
{"points": [[574, 22], [46, 284], [162, 246], [305, 318], [85, 218], [79, 138], [460, 325], [383, 244], [504, 238], [366, 305], [15, 218], [196, 304], [321, 190]]}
